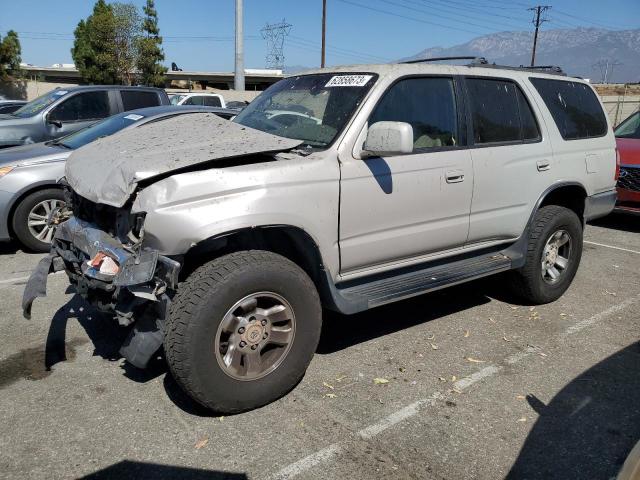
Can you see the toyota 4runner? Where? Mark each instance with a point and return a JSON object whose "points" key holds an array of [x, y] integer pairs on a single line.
{"points": [[343, 188]]}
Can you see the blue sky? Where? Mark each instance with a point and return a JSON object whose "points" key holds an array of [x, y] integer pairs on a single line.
{"points": [[199, 33]]}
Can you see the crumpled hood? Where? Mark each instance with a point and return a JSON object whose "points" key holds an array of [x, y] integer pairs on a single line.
{"points": [[108, 169]]}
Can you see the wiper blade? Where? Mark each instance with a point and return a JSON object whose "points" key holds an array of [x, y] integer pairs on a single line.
{"points": [[61, 144]]}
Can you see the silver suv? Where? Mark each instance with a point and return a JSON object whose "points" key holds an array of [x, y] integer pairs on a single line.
{"points": [[343, 188]]}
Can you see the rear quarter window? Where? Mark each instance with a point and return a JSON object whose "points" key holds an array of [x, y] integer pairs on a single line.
{"points": [[132, 99], [574, 107]]}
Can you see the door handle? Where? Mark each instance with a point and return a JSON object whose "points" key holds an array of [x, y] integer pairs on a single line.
{"points": [[454, 176], [543, 165]]}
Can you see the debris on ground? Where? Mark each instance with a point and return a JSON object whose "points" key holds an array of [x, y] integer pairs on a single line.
{"points": [[380, 381], [330, 395], [201, 443], [475, 360], [466, 334], [327, 385], [434, 346]]}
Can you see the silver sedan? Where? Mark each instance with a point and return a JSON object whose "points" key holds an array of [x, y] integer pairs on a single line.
{"points": [[29, 174]]}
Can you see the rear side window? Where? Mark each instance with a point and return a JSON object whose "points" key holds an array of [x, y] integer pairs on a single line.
{"points": [[212, 102], [193, 101], [530, 130], [574, 108], [82, 107], [428, 105], [132, 99], [494, 109]]}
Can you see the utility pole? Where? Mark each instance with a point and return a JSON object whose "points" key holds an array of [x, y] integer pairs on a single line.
{"points": [[537, 21], [324, 31], [239, 72]]}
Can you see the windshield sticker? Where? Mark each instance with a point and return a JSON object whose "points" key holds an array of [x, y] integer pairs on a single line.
{"points": [[61, 92], [134, 117], [348, 81]]}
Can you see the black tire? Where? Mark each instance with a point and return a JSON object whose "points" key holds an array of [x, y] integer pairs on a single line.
{"points": [[528, 282], [197, 311], [21, 215]]}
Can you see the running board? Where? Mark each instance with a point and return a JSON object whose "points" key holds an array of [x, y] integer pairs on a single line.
{"points": [[371, 294]]}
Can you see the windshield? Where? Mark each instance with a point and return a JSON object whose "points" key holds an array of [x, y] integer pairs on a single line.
{"points": [[630, 128], [175, 100], [98, 130], [311, 108], [36, 106]]}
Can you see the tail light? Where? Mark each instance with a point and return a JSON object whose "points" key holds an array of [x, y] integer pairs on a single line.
{"points": [[617, 164]]}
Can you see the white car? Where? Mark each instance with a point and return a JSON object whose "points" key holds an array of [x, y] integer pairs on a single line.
{"points": [[206, 99]]}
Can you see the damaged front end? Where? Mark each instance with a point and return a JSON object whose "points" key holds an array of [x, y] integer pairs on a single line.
{"points": [[100, 248]]}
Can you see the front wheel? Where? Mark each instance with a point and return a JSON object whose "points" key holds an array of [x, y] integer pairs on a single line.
{"points": [[31, 218], [553, 255], [242, 330]]}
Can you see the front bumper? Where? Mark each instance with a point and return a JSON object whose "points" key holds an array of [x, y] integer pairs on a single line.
{"points": [[139, 294]]}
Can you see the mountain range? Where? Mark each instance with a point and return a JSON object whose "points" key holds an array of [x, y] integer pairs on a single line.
{"points": [[583, 52]]}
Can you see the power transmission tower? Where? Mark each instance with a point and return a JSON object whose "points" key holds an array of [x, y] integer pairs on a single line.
{"points": [[274, 35], [606, 68], [538, 19]]}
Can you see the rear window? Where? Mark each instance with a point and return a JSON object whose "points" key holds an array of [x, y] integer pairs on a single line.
{"points": [[132, 100], [574, 107], [212, 102], [500, 112]]}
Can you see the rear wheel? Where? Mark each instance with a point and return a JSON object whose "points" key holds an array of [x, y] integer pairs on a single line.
{"points": [[242, 330], [30, 219], [553, 255]]}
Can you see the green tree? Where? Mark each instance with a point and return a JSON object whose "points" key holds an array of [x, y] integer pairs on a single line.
{"points": [[93, 47], [128, 27], [10, 52], [150, 54]]}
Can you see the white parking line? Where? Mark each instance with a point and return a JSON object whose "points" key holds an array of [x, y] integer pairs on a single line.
{"points": [[611, 246], [297, 468], [12, 281]]}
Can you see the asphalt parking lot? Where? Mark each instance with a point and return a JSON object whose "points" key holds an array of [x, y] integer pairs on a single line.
{"points": [[465, 383]]}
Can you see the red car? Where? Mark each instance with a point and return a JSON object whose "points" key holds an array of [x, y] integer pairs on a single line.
{"points": [[628, 142]]}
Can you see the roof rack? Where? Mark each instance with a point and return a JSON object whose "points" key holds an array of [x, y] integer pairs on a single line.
{"points": [[549, 69], [482, 62], [474, 60]]}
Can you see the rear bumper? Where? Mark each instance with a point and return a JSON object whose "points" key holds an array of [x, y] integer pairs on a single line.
{"points": [[599, 205]]}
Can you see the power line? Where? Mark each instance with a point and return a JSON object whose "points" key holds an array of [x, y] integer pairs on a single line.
{"points": [[538, 19], [413, 19], [456, 10]]}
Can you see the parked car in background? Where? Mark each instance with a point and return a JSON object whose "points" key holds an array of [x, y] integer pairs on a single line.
{"points": [[205, 99], [628, 142], [346, 188], [10, 106], [28, 174], [237, 104], [66, 110]]}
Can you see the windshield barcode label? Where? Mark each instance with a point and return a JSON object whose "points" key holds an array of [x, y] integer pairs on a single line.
{"points": [[348, 81]]}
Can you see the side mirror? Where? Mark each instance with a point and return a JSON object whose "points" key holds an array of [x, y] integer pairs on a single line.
{"points": [[385, 139], [53, 121]]}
